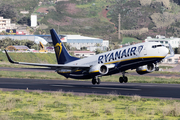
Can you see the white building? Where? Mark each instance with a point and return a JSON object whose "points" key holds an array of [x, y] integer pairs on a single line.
{"points": [[34, 38], [76, 41], [33, 20], [106, 43], [172, 60], [79, 41], [6, 24], [82, 53], [165, 41], [24, 12]]}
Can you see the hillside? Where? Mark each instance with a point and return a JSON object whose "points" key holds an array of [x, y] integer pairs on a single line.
{"points": [[30, 57], [99, 18]]}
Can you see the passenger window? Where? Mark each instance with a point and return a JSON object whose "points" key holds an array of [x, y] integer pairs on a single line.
{"points": [[154, 46], [159, 46]]}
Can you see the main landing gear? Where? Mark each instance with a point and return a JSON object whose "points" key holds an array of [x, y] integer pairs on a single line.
{"points": [[96, 80], [123, 79]]}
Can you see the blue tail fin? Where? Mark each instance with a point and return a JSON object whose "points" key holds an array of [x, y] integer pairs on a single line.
{"points": [[62, 55]]}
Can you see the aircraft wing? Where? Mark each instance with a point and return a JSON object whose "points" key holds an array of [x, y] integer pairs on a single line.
{"points": [[52, 66]]}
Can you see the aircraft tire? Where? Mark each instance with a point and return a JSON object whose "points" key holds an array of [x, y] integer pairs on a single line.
{"points": [[121, 80], [93, 81], [98, 81], [125, 79], [156, 68]]}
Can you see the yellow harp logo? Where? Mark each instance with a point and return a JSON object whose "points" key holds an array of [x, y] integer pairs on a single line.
{"points": [[58, 49]]}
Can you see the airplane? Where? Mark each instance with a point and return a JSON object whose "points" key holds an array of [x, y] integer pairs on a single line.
{"points": [[143, 57]]}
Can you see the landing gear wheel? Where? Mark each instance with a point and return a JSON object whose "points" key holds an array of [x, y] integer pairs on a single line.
{"points": [[125, 79], [121, 80], [98, 81], [156, 68], [93, 81]]}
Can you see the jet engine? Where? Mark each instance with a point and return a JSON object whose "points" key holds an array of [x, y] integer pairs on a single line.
{"points": [[145, 69], [101, 69]]}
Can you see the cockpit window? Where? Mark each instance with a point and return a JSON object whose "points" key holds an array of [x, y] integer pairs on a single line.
{"points": [[155, 46]]}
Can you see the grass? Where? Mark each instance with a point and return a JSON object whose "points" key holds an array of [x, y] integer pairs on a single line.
{"points": [[58, 105], [143, 79], [129, 40], [31, 75], [9, 65], [30, 57], [165, 67], [113, 78]]}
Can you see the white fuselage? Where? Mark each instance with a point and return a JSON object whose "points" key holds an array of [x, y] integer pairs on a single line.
{"points": [[141, 50]]}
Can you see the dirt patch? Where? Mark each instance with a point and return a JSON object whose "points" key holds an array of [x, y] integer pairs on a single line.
{"points": [[65, 21], [69, 21], [71, 8], [104, 14], [42, 10], [175, 69]]}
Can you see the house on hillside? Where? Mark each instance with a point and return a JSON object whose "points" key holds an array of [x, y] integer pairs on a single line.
{"points": [[81, 54], [165, 41]]}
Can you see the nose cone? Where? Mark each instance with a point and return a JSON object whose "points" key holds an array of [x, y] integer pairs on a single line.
{"points": [[165, 51]]}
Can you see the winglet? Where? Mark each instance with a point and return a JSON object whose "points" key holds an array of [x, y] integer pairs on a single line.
{"points": [[171, 52], [9, 58]]}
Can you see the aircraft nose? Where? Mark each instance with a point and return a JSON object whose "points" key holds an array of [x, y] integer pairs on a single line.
{"points": [[165, 51]]}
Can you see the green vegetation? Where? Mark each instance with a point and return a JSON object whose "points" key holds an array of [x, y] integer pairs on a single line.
{"points": [[165, 67], [129, 40], [97, 17], [30, 57], [8, 42], [139, 18], [58, 105], [31, 75], [114, 78]]}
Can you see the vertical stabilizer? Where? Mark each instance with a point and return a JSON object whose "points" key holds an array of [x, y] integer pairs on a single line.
{"points": [[62, 54]]}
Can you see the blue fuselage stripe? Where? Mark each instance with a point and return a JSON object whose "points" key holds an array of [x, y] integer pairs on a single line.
{"points": [[120, 66]]}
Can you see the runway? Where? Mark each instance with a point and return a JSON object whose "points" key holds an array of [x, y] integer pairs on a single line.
{"points": [[50, 70], [167, 91]]}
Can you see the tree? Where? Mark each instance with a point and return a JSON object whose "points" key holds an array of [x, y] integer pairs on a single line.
{"points": [[3, 33], [97, 51], [24, 20], [83, 48], [67, 46], [8, 11], [29, 44], [52, 8], [178, 49], [177, 1]]}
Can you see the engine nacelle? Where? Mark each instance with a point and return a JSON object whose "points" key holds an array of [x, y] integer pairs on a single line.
{"points": [[101, 69], [145, 69]]}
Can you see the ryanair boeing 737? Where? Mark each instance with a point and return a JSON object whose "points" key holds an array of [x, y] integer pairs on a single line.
{"points": [[143, 57]]}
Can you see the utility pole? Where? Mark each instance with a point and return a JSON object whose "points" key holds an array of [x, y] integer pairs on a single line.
{"points": [[119, 28], [58, 29]]}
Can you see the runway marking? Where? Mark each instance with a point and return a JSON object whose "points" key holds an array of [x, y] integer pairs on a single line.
{"points": [[96, 87], [62, 85], [115, 88]]}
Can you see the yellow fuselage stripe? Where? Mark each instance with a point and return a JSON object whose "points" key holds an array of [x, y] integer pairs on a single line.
{"points": [[135, 59], [94, 71]]}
